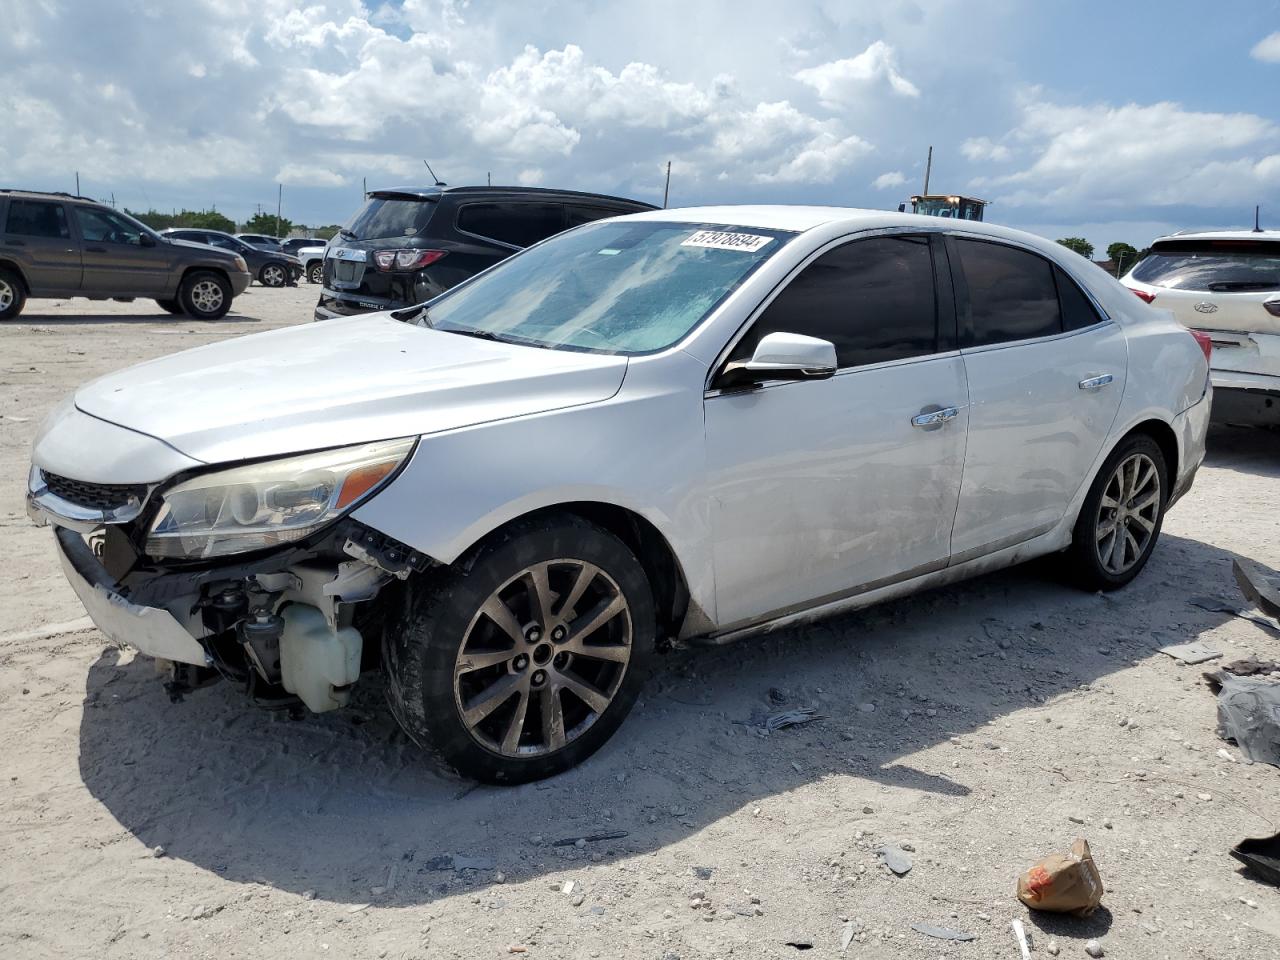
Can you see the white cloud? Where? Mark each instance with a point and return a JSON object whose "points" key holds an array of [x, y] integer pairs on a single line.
{"points": [[307, 175], [1136, 155], [894, 178], [842, 83], [979, 149], [1267, 49]]}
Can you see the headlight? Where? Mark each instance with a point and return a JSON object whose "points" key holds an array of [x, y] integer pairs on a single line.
{"points": [[266, 504], [241, 265]]}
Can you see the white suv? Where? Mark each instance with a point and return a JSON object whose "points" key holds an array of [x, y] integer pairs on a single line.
{"points": [[1228, 285], [682, 425]]}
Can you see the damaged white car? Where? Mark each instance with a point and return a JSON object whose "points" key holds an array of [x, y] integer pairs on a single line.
{"points": [[673, 426]]}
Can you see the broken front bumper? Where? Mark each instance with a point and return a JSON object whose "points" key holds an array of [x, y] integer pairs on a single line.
{"points": [[148, 630]]}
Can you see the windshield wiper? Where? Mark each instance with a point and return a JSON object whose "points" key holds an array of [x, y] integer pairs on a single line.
{"points": [[478, 334], [347, 234]]}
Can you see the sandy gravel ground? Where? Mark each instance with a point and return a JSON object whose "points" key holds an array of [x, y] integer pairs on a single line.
{"points": [[1003, 709]]}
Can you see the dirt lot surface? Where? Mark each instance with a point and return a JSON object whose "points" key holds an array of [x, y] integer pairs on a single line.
{"points": [[983, 725]]}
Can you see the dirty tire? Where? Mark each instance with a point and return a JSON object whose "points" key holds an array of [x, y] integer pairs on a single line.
{"points": [[273, 275], [1084, 565], [170, 306], [13, 295], [423, 643], [315, 273], [205, 295]]}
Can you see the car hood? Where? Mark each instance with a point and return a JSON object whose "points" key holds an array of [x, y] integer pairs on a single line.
{"points": [[339, 382], [204, 248]]}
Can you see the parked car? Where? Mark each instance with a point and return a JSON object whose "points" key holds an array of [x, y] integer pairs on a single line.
{"points": [[271, 267], [312, 260], [678, 425], [294, 244], [57, 245], [1227, 284], [409, 244], [260, 240]]}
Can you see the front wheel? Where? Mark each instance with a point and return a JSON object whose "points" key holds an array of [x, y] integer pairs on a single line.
{"points": [[205, 296], [1121, 517], [525, 664], [273, 275], [315, 273]]}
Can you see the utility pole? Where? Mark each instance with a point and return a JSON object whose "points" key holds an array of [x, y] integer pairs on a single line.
{"points": [[279, 205], [113, 199], [77, 183], [488, 177], [364, 186], [928, 169], [666, 191]]}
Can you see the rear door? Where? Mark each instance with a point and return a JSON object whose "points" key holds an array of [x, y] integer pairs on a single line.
{"points": [[117, 258], [823, 489], [1046, 371], [38, 236]]}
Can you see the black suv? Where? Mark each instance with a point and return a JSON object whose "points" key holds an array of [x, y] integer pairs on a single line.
{"points": [[409, 244], [57, 245], [273, 268]]}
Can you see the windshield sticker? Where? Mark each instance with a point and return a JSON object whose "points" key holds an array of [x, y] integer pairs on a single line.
{"points": [[718, 240], [608, 252]]}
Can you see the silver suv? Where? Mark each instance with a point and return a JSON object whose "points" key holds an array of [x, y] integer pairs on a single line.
{"points": [[57, 245]]}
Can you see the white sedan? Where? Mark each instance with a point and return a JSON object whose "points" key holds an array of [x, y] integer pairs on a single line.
{"points": [[677, 425]]}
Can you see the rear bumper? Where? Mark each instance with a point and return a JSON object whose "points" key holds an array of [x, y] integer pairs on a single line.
{"points": [[333, 304], [1191, 427], [1248, 406], [149, 630]]}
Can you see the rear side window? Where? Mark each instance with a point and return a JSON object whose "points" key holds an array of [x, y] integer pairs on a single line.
{"points": [[1218, 266], [1012, 294], [515, 224], [874, 299], [37, 218], [1077, 311], [387, 217]]}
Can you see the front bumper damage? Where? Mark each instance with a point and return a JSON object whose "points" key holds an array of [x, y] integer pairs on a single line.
{"points": [[297, 625]]}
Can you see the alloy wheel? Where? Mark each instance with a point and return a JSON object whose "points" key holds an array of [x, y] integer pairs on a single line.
{"points": [[543, 658], [273, 276], [6, 295], [206, 296], [1128, 513]]}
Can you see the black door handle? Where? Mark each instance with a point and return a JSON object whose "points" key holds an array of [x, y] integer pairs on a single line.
{"points": [[15, 243], [95, 249]]}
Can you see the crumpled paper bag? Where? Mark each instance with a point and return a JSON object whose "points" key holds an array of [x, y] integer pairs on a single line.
{"points": [[1063, 883]]}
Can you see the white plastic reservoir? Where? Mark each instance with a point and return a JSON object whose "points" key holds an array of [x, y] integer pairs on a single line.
{"points": [[314, 658]]}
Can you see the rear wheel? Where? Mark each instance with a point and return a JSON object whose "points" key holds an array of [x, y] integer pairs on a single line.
{"points": [[205, 295], [170, 306], [1121, 517], [315, 273], [13, 296], [525, 664], [273, 275]]}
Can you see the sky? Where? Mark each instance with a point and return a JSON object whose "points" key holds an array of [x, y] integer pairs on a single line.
{"points": [[1083, 118]]}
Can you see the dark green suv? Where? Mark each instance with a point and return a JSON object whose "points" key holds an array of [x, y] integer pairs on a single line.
{"points": [[57, 245]]}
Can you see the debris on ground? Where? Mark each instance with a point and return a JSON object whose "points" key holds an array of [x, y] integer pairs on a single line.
{"points": [[1063, 883], [1020, 934], [846, 938], [800, 942], [1262, 591], [1262, 856], [1218, 605], [1052, 948], [899, 861], [791, 718], [1250, 667], [1193, 652], [1094, 949], [593, 838], [1249, 714], [942, 933], [460, 862]]}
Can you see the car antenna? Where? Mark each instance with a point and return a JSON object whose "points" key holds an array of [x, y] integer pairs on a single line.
{"points": [[1257, 215], [439, 182]]}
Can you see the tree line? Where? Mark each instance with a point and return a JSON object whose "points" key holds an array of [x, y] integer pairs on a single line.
{"points": [[263, 223], [1122, 255]]}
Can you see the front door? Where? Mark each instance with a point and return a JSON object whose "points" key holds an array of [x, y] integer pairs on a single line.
{"points": [[1046, 372], [117, 258], [38, 237], [822, 489]]}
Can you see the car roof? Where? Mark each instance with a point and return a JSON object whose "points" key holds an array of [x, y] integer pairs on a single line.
{"points": [[44, 194], [434, 193], [1272, 235], [802, 218]]}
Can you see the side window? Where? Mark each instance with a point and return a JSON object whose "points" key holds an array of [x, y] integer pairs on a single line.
{"points": [[517, 224], [37, 218], [102, 226], [577, 214], [1012, 294], [874, 299], [225, 242], [1077, 311]]}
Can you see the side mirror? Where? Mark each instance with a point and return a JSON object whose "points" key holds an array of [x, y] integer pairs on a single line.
{"points": [[146, 239], [782, 356]]}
